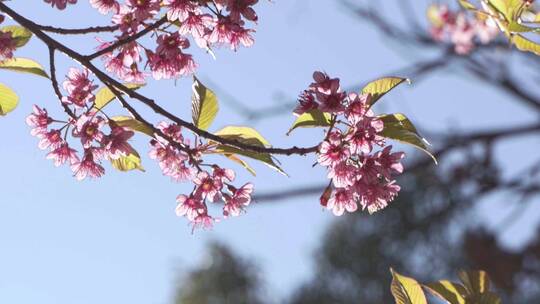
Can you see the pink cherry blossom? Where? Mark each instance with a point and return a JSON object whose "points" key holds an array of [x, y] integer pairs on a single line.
{"points": [[364, 135], [62, 154], [190, 207], [332, 153], [240, 198], [143, 9], [60, 4], [376, 196], [51, 139], [87, 127], [342, 200], [87, 168], [106, 6], [390, 163], [223, 175], [39, 120], [208, 187], [179, 9], [7, 45], [358, 108], [169, 61], [343, 175], [306, 103], [116, 144]]}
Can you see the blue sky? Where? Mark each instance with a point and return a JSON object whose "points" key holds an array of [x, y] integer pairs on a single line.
{"points": [[117, 239]]}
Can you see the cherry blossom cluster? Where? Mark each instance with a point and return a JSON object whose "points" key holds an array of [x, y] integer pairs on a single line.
{"points": [[8, 44], [359, 173], [209, 23], [460, 29], [103, 139], [88, 127], [182, 162]]}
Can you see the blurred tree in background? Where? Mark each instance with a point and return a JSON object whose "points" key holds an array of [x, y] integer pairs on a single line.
{"points": [[222, 278]]}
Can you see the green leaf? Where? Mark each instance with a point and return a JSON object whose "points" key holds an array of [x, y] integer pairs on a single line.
{"points": [[475, 281], [104, 96], [133, 124], [451, 292], [398, 127], [525, 44], [380, 87], [21, 34], [23, 65], [248, 136], [312, 118], [406, 290], [8, 100], [204, 105], [128, 163]]}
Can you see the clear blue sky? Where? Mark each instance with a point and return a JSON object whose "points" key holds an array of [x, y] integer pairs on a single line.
{"points": [[117, 240]]}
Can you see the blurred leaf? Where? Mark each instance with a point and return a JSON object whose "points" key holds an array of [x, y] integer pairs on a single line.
{"points": [[467, 5], [23, 65], [312, 118], [133, 124], [525, 44], [8, 100], [406, 290], [204, 105], [516, 27], [484, 298], [265, 158], [434, 16], [104, 96], [398, 127], [451, 292], [380, 87], [475, 281], [128, 163], [21, 34]]}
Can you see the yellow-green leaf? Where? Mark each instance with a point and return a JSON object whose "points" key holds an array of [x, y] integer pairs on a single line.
{"points": [[250, 136], [241, 162], [398, 127], [128, 163], [312, 118], [406, 290], [8, 100], [265, 158], [243, 134], [104, 96], [133, 124], [475, 281], [525, 44], [23, 65], [380, 87], [19, 33], [453, 293], [204, 105]]}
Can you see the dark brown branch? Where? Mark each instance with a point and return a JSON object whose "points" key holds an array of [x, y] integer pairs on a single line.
{"points": [[54, 83], [85, 61], [80, 31], [128, 39]]}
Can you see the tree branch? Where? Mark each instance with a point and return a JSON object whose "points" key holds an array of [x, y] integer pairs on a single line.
{"points": [[85, 61]]}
